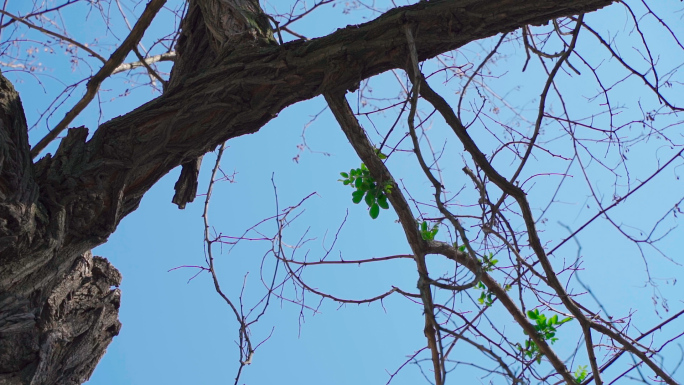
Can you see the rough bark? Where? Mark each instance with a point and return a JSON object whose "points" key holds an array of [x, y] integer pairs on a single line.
{"points": [[58, 312], [203, 39]]}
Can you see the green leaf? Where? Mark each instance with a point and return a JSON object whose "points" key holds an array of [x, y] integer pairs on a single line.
{"points": [[380, 154], [370, 197], [382, 201], [358, 182], [357, 196], [425, 233], [581, 373], [346, 182], [554, 319], [533, 314], [374, 211], [344, 174]]}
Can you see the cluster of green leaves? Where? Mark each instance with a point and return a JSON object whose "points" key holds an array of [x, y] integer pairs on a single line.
{"points": [[488, 262], [531, 350], [581, 373], [367, 189], [486, 297], [426, 232], [546, 328]]}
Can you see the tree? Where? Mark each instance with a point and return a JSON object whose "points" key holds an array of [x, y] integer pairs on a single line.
{"points": [[233, 73]]}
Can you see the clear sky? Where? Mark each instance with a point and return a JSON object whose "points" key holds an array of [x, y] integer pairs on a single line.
{"points": [[177, 330]]}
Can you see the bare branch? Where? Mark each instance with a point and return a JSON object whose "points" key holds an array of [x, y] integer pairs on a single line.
{"points": [[107, 69], [55, 34]]}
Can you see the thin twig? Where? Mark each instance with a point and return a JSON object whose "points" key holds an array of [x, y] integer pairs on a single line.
{"points": [[55, 34], [107, 69]]}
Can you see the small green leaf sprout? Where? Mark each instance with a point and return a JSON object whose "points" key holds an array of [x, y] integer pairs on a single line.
{"points": [[367, 189], [581, 373], [488, 262], [546, 329], [426, 232], [531, 350], [486, 297]]}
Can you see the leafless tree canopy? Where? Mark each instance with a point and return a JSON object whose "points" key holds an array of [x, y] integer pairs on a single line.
{"points": [[224, 68]]}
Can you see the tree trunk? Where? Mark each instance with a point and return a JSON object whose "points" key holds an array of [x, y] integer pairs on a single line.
{"points": [[58, 311]]}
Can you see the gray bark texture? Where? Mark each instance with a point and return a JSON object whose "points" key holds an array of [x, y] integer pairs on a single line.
{"points": [[58, 303]]}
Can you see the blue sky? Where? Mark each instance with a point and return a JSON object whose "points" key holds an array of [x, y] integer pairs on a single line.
{"points": [[179, 331]]}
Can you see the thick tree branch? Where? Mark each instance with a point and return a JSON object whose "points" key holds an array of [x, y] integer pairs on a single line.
{"points": [[251, 84], [221, 87], [357, 138]]}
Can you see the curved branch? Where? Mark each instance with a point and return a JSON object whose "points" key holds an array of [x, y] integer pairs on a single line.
{"points": [[250, 85]]}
